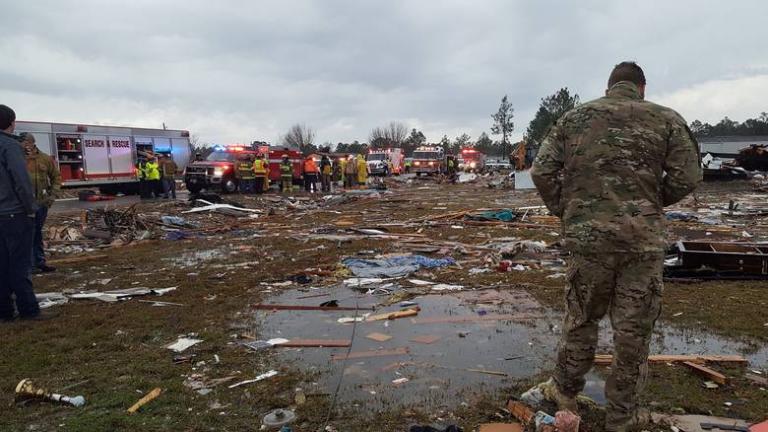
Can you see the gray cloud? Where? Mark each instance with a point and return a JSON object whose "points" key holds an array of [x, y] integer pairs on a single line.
{"points": [[237, 70]]}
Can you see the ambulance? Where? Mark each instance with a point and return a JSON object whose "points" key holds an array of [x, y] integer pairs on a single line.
{"points": [[384, 162], [104, 156]]}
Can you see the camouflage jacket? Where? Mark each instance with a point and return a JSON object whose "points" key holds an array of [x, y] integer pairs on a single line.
{"points": [[45, 177], [608, 167]]}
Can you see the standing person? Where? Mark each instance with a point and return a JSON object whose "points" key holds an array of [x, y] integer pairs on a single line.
{"points": [[141, 171], [310, 174], [246, 178], [350, 172], [17, 225], [362, 171], [326, 171], [46, 184], [265, 161], [607, 168], [450, 163], [286, 175], [260, 171], [168, 171], [152, 175], [338, 172]]}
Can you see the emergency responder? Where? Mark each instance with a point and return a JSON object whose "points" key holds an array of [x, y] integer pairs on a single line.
{"points": [[607, 168], [450, 168], [46, 183], [362, 171], [338, 172], [152, 175], [168, 169], [265, 161], [245, 173], [141, 172], [326, 171], [310, 172], [260, 172], [199, 157], [350, 172], [286, 174], [408, 163], [17, 225]]}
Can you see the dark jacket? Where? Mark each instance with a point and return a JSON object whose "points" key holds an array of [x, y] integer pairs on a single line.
{"points": [[16, 194]]}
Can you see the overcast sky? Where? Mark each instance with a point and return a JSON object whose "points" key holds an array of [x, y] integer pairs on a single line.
{"points": [[235, 71]]}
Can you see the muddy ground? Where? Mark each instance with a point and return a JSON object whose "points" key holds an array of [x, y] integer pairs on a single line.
{"points": [[113, 353]]}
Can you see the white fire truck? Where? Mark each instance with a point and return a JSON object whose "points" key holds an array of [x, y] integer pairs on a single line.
{"points": [[104, 156], [384, 162]]}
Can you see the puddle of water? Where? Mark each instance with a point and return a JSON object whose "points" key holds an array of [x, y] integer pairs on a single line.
{"points": [[439, 373]]}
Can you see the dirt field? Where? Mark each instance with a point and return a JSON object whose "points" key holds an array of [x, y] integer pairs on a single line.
{"points": [[112, 353]]}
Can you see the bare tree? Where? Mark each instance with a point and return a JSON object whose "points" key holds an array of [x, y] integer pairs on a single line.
{"points": [[301, 136], [391, 135]]}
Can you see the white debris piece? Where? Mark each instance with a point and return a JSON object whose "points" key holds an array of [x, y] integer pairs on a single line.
{"points": [[263, 376], [446, 287], [183, 343]]}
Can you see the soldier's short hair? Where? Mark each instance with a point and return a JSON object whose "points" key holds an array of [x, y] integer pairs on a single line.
{"points": [[7, 117], [627, 71]]}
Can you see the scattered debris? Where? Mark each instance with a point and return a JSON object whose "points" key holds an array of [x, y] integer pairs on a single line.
{"points": [[607, 359], [26, 391], [149, 397], [182, 343], [378, 337], [366, 354], [261, 377], [707, 372]]}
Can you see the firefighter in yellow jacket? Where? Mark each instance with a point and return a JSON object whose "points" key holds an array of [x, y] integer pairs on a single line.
{"points": [[362, 170], [261, 170]]}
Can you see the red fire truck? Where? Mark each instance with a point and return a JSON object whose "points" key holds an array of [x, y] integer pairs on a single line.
{"points": [[104, 156], [219, 169], [428, 160], [472, 160]]}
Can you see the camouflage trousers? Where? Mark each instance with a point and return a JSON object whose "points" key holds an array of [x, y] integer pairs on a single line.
{"points": [[628, 287]]}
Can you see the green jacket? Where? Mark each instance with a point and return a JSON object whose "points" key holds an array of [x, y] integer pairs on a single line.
{"points": [[608, 167], [45, 177]]}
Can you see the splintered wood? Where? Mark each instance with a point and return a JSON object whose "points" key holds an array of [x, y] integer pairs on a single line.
{"points": [[607, 359]]}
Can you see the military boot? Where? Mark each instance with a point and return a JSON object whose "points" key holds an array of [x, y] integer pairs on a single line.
{"points": [[548, 389], [625, 423]]}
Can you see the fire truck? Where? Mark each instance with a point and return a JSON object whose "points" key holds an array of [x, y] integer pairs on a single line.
{"points": [[104, 156], [472, 160], [219, 170], [428, 160], [386, 161]]}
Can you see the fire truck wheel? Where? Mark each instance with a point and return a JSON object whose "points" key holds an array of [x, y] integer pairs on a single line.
{"points": [[228, 185]]}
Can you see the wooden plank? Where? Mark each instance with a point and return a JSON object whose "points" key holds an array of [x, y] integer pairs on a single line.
{"points": [[426, 339], [378, 337], [473, 318], [367, 354], [306, 308], [501, 427], [520, 411], [145, 400], [707, 372], [76, 259], [607, 359], [394, 315], [327, 343]]}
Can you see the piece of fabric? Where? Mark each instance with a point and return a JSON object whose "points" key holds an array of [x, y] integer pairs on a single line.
{"points": [[16, 194], [609, 166], [628, 287], [505, 215], [16, 236], [393, 267], [38, 251]]}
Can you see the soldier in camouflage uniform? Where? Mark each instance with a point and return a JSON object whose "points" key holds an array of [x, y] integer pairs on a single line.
{"points": [[607, 168]]}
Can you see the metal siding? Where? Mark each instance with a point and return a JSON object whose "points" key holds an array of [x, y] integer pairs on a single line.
{"points": [[96, 154]]}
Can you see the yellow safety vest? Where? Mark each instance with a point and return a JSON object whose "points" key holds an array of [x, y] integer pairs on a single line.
{"points": [[259, 167], [151, 171]]}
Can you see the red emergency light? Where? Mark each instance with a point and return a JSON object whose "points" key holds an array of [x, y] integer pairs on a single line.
{"points": [[235, 148], [469, 151]]}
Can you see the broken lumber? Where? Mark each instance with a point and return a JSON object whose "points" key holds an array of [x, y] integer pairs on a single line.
{"points": [[394, 315], [707, 372], [149, 397], [367, 354], [76, 259], [308, 308], [320, 343], [471, 318], [520, 411], [607, 359]]}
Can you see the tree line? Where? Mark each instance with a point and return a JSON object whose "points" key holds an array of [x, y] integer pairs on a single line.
{"points": [[728, 127]]}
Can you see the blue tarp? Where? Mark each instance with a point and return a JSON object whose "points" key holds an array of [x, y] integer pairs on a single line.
{"points": [[505, 215], [393, 267]]}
